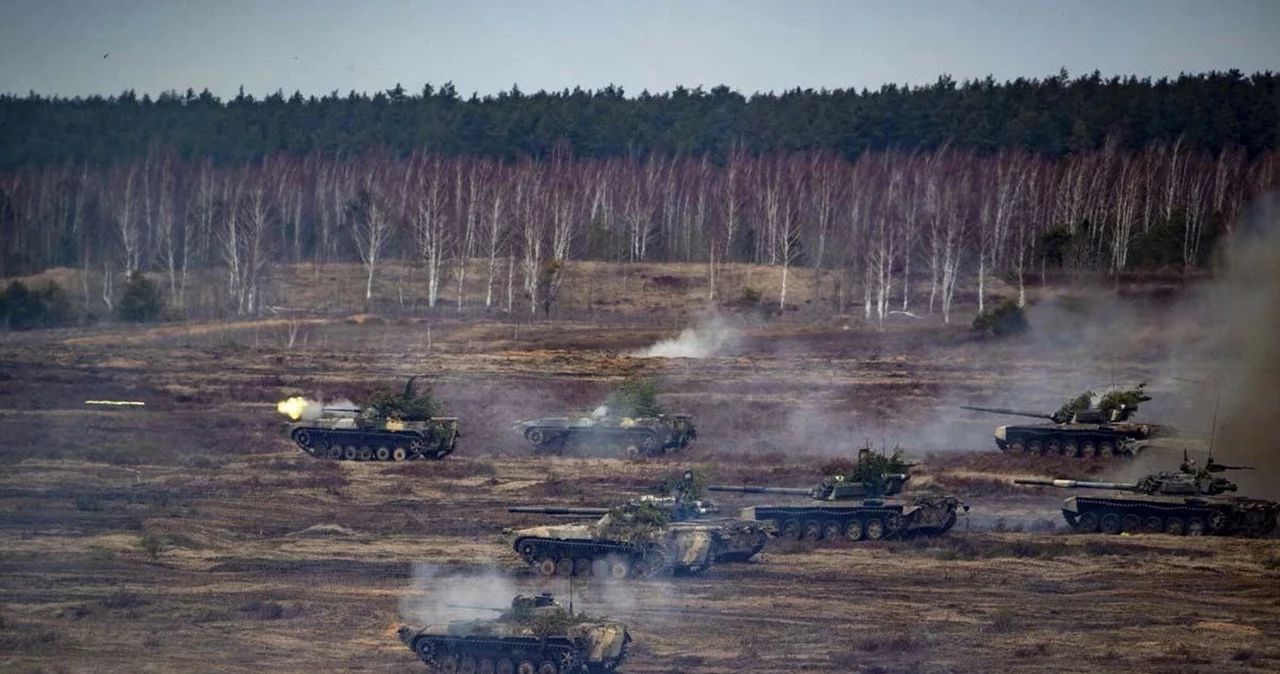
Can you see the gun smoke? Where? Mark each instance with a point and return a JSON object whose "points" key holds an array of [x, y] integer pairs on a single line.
{"points": [[437, 596], [711, 335]]}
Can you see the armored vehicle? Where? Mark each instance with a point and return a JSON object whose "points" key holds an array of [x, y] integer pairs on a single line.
{"points": [[1188, 502], [392, 428], [1080, 428], [853, 506], [735, 540], [535, 636], [640, 541], [651, 436]]}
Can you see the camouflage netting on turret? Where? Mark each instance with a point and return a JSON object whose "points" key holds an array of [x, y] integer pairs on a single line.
{"points": [[407, 406], [1114, 406], [870, 468], [635, 523], [635, 397]]}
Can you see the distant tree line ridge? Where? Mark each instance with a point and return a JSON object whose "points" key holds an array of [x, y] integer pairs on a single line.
{"points": [[1054, 116], [883, 226]]}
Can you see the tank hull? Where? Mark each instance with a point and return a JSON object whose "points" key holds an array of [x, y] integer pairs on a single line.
{"points": [[1074, 440], [591, 550], [596, 648], [650, 436], [854, 522], [402, 441], [1194, 516]]}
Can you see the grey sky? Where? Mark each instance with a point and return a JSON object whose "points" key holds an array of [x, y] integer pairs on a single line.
{"points": [[57, 46]]}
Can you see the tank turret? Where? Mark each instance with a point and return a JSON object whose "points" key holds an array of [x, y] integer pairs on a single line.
{"points": [[1085, 426], [1186, 501], [535, 634]]}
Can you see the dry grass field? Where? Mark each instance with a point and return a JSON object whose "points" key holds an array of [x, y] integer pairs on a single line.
{"points": [[189, 535]]}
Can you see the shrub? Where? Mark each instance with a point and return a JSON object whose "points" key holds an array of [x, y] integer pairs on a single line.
{"points": [[24, 309], [141, 302], [1002, 320]]}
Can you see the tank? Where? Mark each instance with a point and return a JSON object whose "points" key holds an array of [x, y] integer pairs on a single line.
{"points": [[650, 436], [536, 635], [855, 505], [1080, 428], [392, 428], [1188, 502], [736, 540]]}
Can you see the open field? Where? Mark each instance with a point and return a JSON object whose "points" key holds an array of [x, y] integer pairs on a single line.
{"points": [[190, 536]]}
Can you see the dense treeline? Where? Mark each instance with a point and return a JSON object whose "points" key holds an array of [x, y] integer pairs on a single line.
{"points": [[886, 226], [1051, 117]]}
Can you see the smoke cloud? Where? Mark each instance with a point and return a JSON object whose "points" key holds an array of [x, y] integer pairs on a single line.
{"points": [[711, 335], [1246, 303], [437, 596]]}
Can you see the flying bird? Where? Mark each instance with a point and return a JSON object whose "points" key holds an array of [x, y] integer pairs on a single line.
{"points": [[106, 55]]}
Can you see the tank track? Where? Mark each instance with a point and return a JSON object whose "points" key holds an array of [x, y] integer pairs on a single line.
{"points": [[1081, 444], [506, 654], [361, 445], [1111, 516], [553, 440], [825, 523], [615, 559]]}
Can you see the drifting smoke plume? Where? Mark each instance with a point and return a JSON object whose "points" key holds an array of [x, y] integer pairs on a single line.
{"points": [[712, 334], [1246, 304], [436, 597]]}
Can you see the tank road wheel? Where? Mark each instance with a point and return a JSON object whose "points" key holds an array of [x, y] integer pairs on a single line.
{"points": [[303, 438], [1106, 449], [564, 567], [504, 666], [365, 453], [334, 452], [399, 453], [1070, 448], [548, 667], [832, 530], [547, 566], [1034, 446], [618, 569], [467, 666], [383, 453], [1174, 526], [528, 551], [526, 667], [1053, 446], [570, 662], [649, 445], [1016, 447], [1110, 523], [791, 530], [652, 564], [874, 529], [447, 664], [424, 649], [853, 530], [536, 436], [1152, 525], [486, 666], [1195, 527], [1088, 449], [582, 567], [1131, 524], [812, 530], [1087, 523]]}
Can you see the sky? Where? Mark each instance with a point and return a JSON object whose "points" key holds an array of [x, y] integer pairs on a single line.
{"points": [[83, 47]]}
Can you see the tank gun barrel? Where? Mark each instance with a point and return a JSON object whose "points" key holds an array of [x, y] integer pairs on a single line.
{"points": [[1076, 484], [750, 489], [475, 608], [559, 510], [1005, 410]]}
